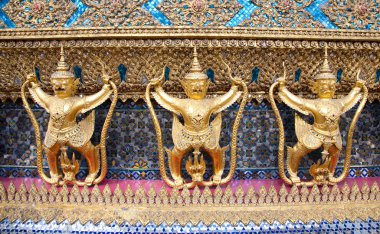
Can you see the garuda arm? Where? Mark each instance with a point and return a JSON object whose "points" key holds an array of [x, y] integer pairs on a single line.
{"points": [[165, 100], [299, 104], [38, 95], [352, 97], [94, 100], [222, 102], [90, 102]]}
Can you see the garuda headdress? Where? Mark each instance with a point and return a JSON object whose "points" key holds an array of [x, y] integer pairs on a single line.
{"points": [[325, 72], [196, 72], [63, 70]]}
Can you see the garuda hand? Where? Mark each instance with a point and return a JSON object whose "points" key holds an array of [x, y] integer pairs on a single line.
{"points": [[32, 78], [237, 80], [359, 83], [281, 81], [156, 81], [105, 78]]}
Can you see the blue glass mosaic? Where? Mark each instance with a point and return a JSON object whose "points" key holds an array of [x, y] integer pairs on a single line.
{"points": [[315, 10], [358, 226], [131, 147], [81, 8], [122, 72], [3, 17], [150, 6], [244, 13]]}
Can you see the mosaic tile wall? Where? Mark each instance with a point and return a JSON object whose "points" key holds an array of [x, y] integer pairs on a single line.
{"points": [[132, 144]]}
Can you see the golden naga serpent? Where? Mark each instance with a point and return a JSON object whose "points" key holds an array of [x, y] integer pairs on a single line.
{"points": [[281, 143], [101, 145], [235, 128]]}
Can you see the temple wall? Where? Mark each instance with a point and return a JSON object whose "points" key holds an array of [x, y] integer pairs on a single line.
{"points": [[137, 41]]}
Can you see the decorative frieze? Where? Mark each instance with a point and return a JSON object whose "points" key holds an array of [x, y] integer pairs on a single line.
{"points": [[256, 61], [145, 205], [187, 32]]}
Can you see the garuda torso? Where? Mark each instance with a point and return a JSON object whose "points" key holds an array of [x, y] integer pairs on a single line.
{"points": [[325, 128], [326, 113], [197, 132], [63, 128]]}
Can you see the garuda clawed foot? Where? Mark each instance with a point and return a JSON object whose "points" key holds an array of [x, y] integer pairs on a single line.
{"points": [[55, 178], [178, 182], [90, 178], [216, 179]]}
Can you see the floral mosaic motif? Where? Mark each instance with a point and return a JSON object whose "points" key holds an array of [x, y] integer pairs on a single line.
{"points": [[199, 12], [115, 13], [2, 25], [39, 13], [282, 13], [354, 14], [140, 164]]}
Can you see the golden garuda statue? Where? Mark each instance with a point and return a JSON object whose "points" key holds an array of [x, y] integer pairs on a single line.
{"points": [[197, 134], [63, 129], [324, 133]]}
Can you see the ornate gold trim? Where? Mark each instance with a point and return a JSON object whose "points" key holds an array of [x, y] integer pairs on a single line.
{"points": [[219, 206], [188, 32], [20, 47]]}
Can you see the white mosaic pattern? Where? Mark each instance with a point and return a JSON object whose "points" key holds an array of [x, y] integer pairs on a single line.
{"points": [[368, 226]]}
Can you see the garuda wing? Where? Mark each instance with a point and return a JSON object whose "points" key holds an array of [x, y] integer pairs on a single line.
{"points": [[179, 139], [86, 129], [304, 134], [216, 127], [301, 126]]}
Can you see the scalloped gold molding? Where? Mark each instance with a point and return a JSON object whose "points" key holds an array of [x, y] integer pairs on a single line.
{"points": [[219, 206], [245, 48], [190, 32]]}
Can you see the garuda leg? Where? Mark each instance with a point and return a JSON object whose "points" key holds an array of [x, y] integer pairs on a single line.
{"points": [[334, 156], [295, 154], [218, 160], [175, 159], [91, 155], [52, 157]]}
